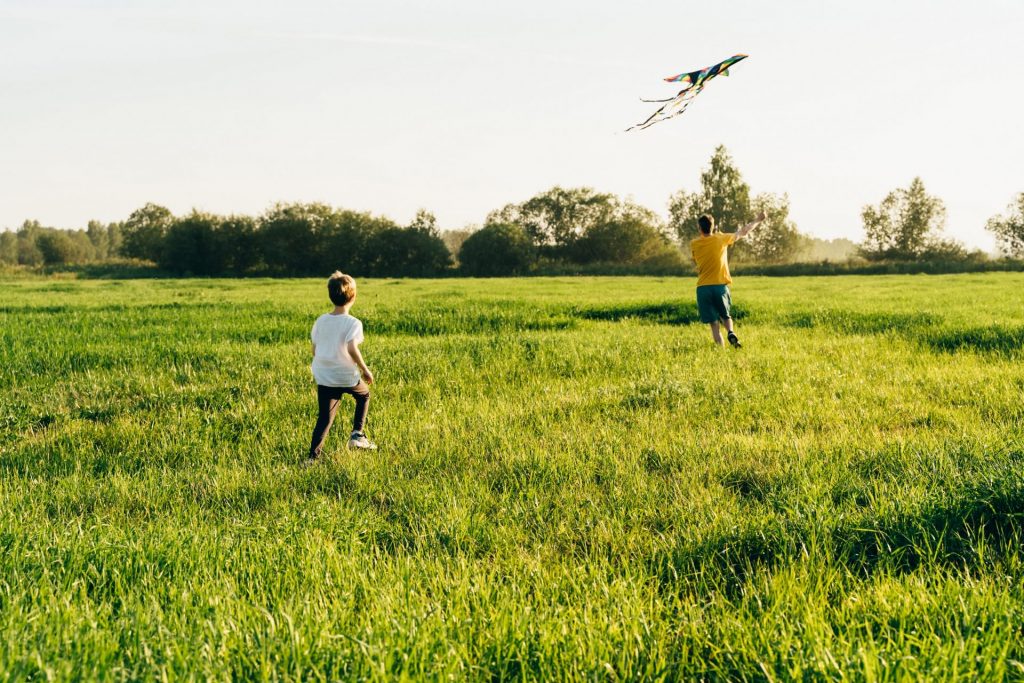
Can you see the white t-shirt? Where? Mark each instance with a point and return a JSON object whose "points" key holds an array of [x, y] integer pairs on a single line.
{"points": [[332, 366]]}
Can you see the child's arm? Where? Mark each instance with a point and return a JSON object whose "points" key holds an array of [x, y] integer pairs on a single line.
{"points": [[314, 350], [742, 232], [353, 352]]}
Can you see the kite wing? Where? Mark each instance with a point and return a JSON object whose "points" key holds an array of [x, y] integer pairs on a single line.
{"points": [[695, 82]]}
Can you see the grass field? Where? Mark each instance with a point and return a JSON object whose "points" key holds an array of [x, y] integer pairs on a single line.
{"points": [[572, 482]]}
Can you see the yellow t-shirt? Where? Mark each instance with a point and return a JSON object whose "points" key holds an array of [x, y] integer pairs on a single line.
{"points": [[712, 256]]}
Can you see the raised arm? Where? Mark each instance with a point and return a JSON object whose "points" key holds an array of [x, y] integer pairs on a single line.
{"points": [[353, 352], [743, 231]]}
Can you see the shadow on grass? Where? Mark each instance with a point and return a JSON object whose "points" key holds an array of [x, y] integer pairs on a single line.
{"points": [[433, 320], [35, 310], [962, 532], [428, 321], [924, 328], [994, 339], [757, 484], [851, 322], [659, 313]]}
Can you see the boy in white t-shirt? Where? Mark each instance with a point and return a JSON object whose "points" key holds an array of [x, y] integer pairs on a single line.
{"points": [[338, 367]]}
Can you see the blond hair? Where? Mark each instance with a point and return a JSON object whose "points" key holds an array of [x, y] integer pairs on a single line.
{"points": [[341, 288]]}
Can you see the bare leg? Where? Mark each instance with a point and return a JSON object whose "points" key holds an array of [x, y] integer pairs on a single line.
{"points": [[728, 324], [716, 334]]}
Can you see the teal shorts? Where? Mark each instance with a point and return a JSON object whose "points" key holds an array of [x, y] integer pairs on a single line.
{"points": [[714, 303]]}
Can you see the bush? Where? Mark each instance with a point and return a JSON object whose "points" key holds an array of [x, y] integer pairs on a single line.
{"points": [[239, 240], [497, 249], [56, 247], [632, 238], [192, 245], [59, 247], [408, 252], [291, 237]]}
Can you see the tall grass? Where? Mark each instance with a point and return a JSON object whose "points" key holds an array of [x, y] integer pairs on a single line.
{"points": [[572, 482]]}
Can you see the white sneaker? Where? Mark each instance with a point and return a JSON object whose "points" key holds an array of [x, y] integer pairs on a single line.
{"points": [[358, 440]]}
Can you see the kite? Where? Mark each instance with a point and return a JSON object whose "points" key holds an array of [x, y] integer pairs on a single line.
{"points": [[695, 82]]}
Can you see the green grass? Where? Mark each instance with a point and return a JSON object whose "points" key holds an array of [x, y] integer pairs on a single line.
{"points": [[572, 482]]}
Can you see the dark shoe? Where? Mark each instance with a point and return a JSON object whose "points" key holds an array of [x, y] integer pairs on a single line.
{"points": [[735, 341]]}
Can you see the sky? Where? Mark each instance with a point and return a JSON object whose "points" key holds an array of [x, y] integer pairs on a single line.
{"points": [[462, 106]]}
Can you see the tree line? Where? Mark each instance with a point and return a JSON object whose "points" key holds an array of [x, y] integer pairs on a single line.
{"points": [[559, 228]]}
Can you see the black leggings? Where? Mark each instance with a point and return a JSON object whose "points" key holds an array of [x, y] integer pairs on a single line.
{"points": [[328, 399]]}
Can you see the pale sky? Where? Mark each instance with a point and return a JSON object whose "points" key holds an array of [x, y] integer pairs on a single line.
{"points": [[461, 106]]}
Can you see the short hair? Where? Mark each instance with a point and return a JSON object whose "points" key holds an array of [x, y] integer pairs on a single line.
{"points": [[706, 224], [341, 288]]}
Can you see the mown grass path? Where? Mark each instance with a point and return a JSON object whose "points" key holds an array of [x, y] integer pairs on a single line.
{"points": [[572, 482]]}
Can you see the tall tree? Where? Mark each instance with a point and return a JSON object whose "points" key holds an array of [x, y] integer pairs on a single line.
{"points": [[144, 231], [726, 196], [777, 239], [1009, 228], [907, 224], [723, 194], [115, 238], [555, 219], [100, 238], [8, 247], [28, 251]]}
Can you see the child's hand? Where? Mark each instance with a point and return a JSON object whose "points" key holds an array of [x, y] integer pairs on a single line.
{"points": [[368, 377]]}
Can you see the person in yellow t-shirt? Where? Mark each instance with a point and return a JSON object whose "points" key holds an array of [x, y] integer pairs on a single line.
{"points": [[710, 252]]}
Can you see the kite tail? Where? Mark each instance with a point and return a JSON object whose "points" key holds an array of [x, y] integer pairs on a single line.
{"points": [[683, 100]]}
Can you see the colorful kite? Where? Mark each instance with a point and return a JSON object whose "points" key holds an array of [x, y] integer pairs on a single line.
{"points": [[695, 80]]}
